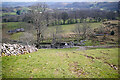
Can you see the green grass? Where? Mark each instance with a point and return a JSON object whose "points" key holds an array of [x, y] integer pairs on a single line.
{"points": [[62, 63], [90, 43], [16, 36], [12, 25], [0, 68], [9, 13], [70, 27], [67, 29]]}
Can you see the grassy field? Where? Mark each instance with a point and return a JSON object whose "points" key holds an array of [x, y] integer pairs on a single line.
{"points": [[12, 25], [67, 29], [16, 36], [9, 13], [62, 63]]}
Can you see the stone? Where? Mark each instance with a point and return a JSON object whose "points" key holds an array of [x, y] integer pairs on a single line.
{"points": [[16, 49]]}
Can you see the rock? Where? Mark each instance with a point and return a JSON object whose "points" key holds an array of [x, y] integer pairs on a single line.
{"points": [[16, 49], [29, 56]]}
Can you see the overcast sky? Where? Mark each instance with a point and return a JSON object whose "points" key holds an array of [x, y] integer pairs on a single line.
{"points": [[60, 0]]}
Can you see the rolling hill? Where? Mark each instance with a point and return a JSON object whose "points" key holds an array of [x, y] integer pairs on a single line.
{"points": [[76, 5]]}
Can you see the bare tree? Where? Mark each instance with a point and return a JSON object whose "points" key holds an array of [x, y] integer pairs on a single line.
{"points": [[71, 17], [75, 15], [82, 31], [27, 38], [48, 18], [78, 31], [38, 19], [57, 34], [64, 16], [85, 30], [101, 30]]}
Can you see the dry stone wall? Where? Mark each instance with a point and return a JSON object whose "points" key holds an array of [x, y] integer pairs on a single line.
{"points": [[16, 49]]}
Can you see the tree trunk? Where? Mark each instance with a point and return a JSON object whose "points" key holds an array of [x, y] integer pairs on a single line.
{"points": [[63, 21], [38, 38]]}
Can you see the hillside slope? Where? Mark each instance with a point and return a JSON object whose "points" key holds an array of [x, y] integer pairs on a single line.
{"points": [[63, 63]]}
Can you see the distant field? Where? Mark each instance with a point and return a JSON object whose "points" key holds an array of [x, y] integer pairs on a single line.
{"points": [[16, 36], [12, 25], [67, 29], [63, 63], [11, 13]]}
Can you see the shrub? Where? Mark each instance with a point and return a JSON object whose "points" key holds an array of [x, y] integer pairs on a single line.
{"points": [[112, 33]]}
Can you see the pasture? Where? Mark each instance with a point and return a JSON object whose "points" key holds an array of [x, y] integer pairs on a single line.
{"points": [[63, 63], [68, 40], [67, 32], [7, 13], [67, 29]]}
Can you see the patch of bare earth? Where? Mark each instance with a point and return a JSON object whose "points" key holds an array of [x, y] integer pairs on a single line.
{"points": [[112, 66], [76, 70], [89, 57], [97, 57]]}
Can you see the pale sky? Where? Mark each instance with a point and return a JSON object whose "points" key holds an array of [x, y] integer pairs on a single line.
{"points": [[60, 0]]}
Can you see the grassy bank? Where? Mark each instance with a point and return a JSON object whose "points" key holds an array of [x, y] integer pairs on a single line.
{"points": [[63, 63]]}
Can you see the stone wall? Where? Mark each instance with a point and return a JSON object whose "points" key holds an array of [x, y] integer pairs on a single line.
{"points": [[16, 49]]}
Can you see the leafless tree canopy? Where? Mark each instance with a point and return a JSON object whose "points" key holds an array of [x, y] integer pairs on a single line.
{"points": [[82, 30], [40, 18], [56, 34], [28, 38]]}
